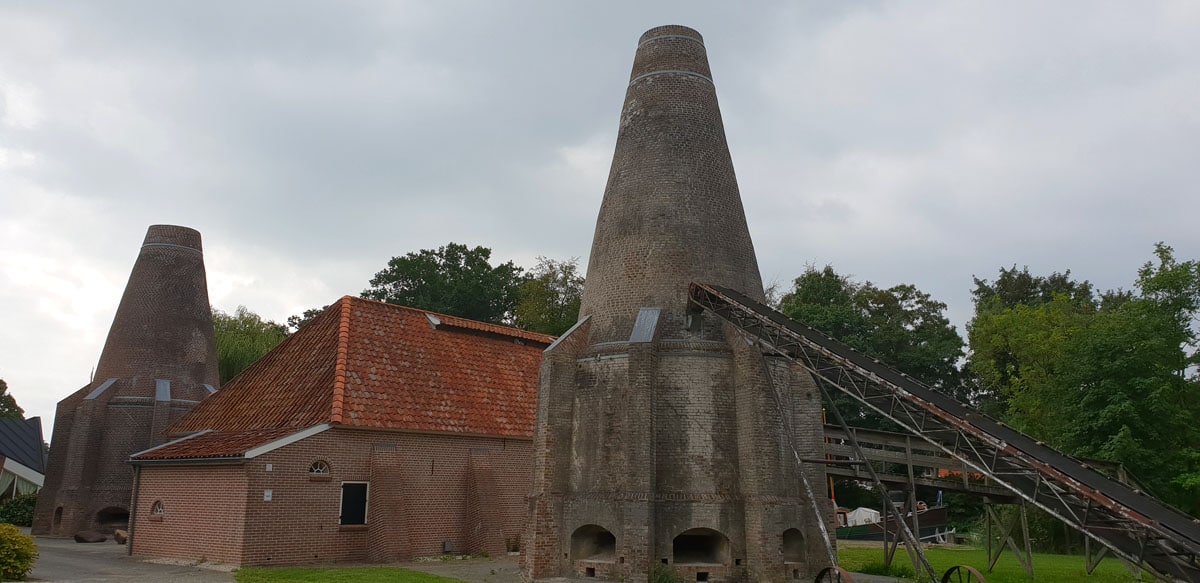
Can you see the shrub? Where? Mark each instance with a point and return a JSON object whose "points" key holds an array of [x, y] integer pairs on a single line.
{"points": [[18, 510], [661, 573], [17, 553]]}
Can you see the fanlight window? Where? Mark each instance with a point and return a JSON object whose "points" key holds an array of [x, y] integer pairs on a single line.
{"points": [[156, 509], [318, 468]]}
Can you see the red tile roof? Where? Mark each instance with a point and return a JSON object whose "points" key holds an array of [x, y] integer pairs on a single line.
{"points": [[363, 363], [218, 444]]}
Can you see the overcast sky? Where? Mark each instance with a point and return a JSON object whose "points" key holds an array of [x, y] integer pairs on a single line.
{"points": [[916, 142]]}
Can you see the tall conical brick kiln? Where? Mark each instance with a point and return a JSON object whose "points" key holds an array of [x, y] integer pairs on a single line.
{"points": [[665, 437], [158, 362]]}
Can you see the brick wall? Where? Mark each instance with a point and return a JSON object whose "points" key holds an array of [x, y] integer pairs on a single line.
{"points": [[203, 513], [417, 499]]}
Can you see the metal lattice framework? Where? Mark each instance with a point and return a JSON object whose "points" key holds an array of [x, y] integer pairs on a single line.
{"points": [[1129, 523]]}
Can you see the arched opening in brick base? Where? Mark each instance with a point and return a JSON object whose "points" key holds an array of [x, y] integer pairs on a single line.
{"points": [[792, 546], [593, 543], [112, 518], [700, 546]]}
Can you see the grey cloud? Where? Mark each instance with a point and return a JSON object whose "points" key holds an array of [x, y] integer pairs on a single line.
{"points": [[310, 142]]}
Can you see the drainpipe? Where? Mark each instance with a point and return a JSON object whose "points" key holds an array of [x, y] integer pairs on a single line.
{"points": [[137, 481]]}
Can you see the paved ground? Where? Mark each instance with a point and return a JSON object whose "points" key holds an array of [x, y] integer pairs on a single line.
{"points": [[64, 560]]}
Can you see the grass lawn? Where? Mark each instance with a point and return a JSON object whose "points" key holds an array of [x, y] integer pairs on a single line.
{"points": [[336, 575], [1056, 568]]}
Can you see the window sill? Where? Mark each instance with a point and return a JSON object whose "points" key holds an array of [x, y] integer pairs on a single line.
{"points": [[154, 518], [320, 478], [352, 528]]}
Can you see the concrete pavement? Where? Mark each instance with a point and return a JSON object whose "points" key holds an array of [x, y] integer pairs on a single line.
{"points": [[65, 561]]}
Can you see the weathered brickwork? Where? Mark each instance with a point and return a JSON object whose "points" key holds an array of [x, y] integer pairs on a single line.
{"points": [[671, 211], [672, 439], [162, 331], [426, 493]]}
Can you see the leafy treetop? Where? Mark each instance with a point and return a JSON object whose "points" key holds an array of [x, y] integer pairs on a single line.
{"points": [[550, 296], [243, 337], [8, 405], [1110, 377], [901, 326], [454, 279]]}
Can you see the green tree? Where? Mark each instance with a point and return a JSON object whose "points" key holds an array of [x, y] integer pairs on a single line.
{"points": [[297, 321], [8, 405], [454, 280], [1020, 321], [549, 298], [901, 326], [1112, 377], [1016, 356], [243, 337], [1020, 288], [1130, 385]]}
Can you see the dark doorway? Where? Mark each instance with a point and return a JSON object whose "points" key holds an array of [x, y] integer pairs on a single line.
{"points": [[112, 518], [793, 546], [700, 546], [593, 543]]}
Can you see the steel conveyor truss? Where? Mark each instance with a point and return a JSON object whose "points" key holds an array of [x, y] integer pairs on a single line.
{"points": [[1131, 524]]}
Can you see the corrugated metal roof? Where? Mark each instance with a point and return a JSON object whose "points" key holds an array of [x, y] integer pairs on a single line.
{"points": [[21, 440]]}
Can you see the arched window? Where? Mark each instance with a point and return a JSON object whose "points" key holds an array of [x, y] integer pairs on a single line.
{"points": [[156, 509], [318, 468]]}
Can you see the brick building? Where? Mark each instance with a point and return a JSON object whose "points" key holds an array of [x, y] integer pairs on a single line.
{"points": [[158, 362], [376, 432], [664, 436]]}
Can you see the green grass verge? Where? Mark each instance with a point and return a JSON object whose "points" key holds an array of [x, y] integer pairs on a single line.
{"points": [[336, 575], [1056, 568]]}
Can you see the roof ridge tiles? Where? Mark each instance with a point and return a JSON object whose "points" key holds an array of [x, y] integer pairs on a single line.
{"points": [[339, 371], [467, 323]]}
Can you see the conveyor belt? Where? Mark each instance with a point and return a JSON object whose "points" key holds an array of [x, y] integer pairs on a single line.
{"points": [[1132, 524]]}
